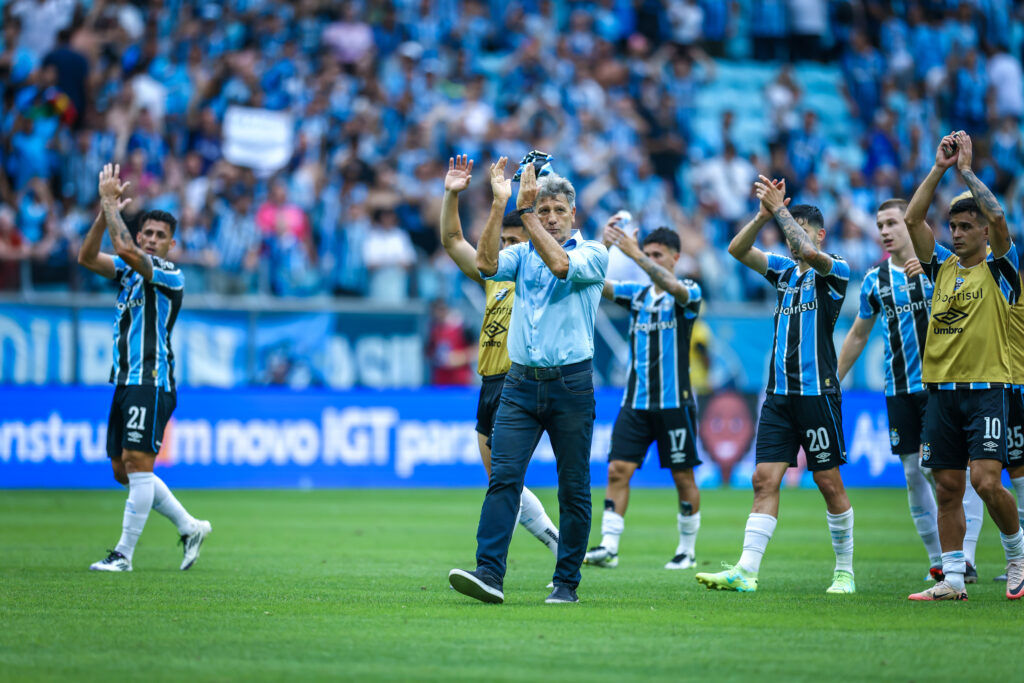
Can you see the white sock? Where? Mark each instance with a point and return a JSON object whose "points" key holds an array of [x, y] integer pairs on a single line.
{"points": [[974, 513], [167, 505], [612, 524], [136, 510], [923, 509], [1018, 487], [1013, 545], [841, 526], [954, 566], [760, 528], [536, 521], [688, 525]]}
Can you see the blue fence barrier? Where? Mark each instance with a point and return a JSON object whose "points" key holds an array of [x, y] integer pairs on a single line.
{"points": [[55, 437]]}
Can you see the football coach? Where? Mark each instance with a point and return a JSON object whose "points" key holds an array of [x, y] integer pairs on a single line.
{"points": [[550, 387]]}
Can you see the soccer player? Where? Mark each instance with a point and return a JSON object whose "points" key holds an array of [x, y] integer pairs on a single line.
{"points": [[658, 404], [966, 363], [1015, 416], [143, 370], [802, 406], [899, 289], [493, 360]]}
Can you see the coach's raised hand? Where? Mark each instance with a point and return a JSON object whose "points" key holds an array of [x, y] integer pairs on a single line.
{"points": [[527, 188]]}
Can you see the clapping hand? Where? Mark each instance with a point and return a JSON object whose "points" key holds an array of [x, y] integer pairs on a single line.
{"points": [[965, 150], [763, 213], [500, 185], [527, 188], [624, 241], [460, 172], [771, 193], [111, 187]]}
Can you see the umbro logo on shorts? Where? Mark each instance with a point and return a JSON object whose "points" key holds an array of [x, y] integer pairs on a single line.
{"points": [[1016, 453], [823, 457], [135, 437], [990, 446]]}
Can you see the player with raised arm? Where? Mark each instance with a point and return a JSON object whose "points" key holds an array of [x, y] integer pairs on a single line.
{"points": [[966, 363], [899, 289], [493, 360], [658, 404], [802, 405], [143, 369]]}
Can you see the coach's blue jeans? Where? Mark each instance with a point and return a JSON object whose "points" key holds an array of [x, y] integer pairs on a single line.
{"points": [[564, 407]]}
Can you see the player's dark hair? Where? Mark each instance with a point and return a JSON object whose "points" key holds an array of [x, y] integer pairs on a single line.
{"points": [[512, 220], [160, 217], [667, 237], [965, 205], [894, 203], [809, 214]]}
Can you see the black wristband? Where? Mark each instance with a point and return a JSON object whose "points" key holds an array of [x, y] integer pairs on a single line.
{"points": [[525, 209]]}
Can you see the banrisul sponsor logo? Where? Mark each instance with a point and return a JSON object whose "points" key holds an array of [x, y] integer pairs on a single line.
{"points": [[797, 308]]}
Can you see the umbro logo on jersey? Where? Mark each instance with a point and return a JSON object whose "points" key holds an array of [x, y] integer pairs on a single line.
{"points": [[950, 317], [885, 290], [501, 294], [494, 329], [990, 446]]}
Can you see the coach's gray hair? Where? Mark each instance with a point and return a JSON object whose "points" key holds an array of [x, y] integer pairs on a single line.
{"points": [[554, 185]]}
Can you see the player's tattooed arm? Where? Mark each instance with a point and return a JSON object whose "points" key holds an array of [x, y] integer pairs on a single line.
{"points": [[110, 190], [661, 277], [998, 232]]}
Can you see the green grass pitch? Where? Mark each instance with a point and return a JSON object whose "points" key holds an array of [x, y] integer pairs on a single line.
{"points": [[352, 585]]}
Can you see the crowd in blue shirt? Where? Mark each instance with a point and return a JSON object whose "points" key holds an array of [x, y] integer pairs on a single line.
{"points": [[383, 93]]}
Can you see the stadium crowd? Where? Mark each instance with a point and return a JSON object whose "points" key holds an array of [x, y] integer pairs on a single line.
{"points": [[382, 94]]}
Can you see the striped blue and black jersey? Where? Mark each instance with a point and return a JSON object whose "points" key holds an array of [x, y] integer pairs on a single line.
{"points": [[803, 361], [659, 337], [145, 316], [906, 304]]}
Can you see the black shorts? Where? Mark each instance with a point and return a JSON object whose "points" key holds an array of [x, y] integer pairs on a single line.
{"points": [[673, 429], [138, 416], [1015, 427], [906, 421], [814, 422], [487, 405], [963, 425]]}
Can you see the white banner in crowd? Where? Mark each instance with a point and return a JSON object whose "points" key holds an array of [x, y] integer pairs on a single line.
{"points": [[258, 138]]}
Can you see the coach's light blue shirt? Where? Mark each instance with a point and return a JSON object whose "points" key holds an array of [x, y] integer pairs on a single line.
{"points": [[552, 319]]}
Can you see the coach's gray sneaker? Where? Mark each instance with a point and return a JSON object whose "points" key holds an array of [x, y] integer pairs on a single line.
{"points": [[599, 556], [113, 562], [191, 543], [476, 584], [971, 575], [562, 595]]}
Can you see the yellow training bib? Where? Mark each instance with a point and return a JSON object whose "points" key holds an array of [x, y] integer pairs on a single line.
{"points": [[493, 359], [968, 332]]}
